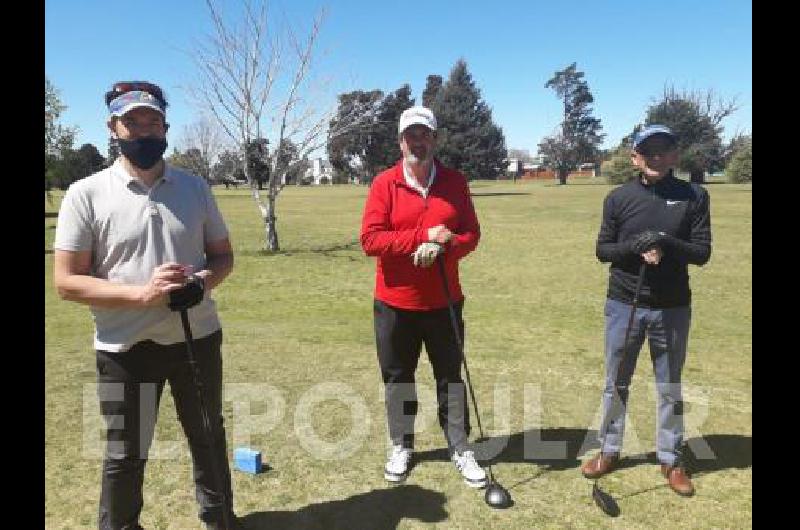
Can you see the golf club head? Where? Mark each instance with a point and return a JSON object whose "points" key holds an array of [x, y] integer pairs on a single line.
{"points": [[605, 501], [497, 496]]}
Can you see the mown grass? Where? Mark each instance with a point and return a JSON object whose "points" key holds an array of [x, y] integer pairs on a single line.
{"points": [[301, 319]]}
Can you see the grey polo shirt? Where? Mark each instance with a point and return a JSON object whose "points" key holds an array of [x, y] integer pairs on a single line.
{"points": [[130, 230]]}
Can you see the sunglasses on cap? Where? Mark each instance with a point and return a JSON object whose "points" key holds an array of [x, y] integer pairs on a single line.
{"points": [[123, 87]]}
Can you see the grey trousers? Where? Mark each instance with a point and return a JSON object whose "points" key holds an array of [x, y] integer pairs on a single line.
{"points": [[667, 331]]}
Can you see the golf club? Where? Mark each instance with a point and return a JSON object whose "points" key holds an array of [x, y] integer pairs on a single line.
{"points": [[227, 509], [496, 495], [605, 501]]}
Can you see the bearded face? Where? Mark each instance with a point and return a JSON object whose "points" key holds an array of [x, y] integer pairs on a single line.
{"points": [[417, 144]]}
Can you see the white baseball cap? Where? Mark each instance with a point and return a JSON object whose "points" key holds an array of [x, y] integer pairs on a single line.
{"points": [[416, 115]]}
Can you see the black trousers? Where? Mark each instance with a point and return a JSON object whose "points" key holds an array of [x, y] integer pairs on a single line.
{"points": [[129, 387], [399, 335]]}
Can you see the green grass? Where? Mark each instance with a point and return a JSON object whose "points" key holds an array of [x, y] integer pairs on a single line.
{"points": [[301, 318]]}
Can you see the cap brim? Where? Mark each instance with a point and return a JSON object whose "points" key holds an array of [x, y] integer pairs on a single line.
{"points": [[135, 105], [642, 140], [417, 122]]}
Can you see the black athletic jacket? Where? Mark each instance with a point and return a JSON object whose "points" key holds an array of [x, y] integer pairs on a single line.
{"points": [[679, 209]]}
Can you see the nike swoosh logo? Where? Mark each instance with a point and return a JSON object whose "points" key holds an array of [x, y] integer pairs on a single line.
{"points": [[670, 203]]}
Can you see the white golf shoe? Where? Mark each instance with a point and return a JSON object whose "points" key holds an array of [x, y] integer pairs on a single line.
{"points": [[396, 469], [474, 475]]}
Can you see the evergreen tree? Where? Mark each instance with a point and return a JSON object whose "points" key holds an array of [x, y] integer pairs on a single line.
{"points": [[740, 167], [468, 139], [347, 152], [372, 147], [228, 168], [432, 88]]}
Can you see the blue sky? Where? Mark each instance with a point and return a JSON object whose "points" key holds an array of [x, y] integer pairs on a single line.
{"points": [[628, 50]]}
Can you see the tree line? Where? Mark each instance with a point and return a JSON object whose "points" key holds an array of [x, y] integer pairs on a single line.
{"points": [[468, 138], [263, 120]]}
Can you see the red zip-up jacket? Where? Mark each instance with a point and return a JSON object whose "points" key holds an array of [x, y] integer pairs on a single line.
{"points": [[396, 220]]}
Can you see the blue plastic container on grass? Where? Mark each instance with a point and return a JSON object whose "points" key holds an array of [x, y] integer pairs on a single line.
{"points": [[247, 460]]}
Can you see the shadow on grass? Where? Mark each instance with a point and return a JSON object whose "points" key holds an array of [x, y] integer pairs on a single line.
{"points": [[499, 194], [706, 454], [378, 509], [556, 448], [553, 449], [702, 455], [560, 448]]}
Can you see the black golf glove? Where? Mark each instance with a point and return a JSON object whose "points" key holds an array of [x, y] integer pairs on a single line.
{"points": [[189, 295], [645, 241]]}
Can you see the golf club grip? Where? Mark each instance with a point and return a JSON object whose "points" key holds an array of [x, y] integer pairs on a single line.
{"points": [[212, 446], [460, 342]]}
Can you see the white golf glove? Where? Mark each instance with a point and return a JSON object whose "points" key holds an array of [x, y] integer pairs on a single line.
{"points": [[426, 254]]}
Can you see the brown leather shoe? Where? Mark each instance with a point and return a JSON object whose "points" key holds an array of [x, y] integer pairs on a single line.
{"points": [[678, 480], [599, 465]]}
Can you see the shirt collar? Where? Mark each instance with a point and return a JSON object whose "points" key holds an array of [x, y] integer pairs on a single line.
{"points": [[118, 168], [412, 182]]}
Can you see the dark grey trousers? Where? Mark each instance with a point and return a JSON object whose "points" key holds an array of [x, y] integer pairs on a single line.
{"points": [[129, 387], [399, 335]]}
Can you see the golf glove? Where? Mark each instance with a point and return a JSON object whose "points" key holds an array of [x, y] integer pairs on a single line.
{"points": [[645, 241], [189, 295], [426, 254]]}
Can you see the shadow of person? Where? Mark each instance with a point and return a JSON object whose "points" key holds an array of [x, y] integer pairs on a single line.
{"points": [[706, 454], [555, 448], [377, 509], [701, 455], [716, 452]]}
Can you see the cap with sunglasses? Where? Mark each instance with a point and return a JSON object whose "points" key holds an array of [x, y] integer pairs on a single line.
{"points": [[126, 96], [652, 130]]}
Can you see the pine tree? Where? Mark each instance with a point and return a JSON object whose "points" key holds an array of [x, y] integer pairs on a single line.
{"points": [[469, 140], [432, 89]]}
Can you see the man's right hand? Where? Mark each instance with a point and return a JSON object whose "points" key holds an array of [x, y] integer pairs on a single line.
{"points": [[440, 234], [426, 254], [165, 278]]}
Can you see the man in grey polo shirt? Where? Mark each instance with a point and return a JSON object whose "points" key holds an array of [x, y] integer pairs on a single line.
{"points": [[129, 240]]}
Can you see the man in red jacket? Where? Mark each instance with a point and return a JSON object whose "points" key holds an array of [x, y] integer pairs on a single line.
{"points": [[415, 212]]}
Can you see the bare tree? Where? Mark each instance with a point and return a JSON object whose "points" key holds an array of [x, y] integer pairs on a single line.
{"points": [[205, 136], [255, 80]]}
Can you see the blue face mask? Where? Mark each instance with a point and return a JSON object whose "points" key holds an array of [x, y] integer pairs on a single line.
{"points": [[143, 153]]}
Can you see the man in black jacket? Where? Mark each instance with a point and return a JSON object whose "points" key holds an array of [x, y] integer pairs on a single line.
{"points": [[665, 223]]}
